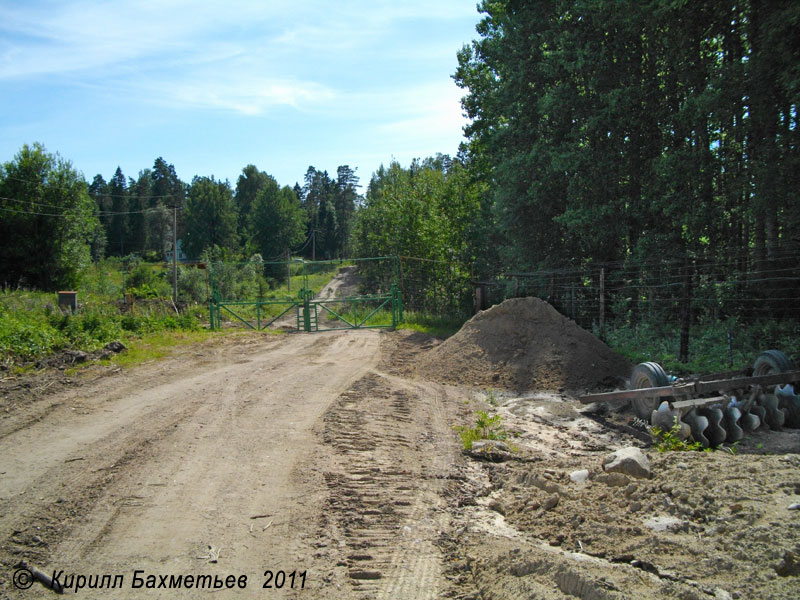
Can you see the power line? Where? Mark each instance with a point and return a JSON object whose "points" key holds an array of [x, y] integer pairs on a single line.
{"points": [[64, 214], [64, 187]]}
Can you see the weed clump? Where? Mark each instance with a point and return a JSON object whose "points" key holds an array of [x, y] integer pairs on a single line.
{"points": [[487, 427], [670, 441]]}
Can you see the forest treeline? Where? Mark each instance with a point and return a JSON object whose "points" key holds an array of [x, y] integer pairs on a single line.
{"points": [[642, 139], [616, 129], [53, 224], [640, 142], [257, 215]]}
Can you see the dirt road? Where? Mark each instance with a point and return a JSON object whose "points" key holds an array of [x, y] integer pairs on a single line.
{"points": [[291, 453]]}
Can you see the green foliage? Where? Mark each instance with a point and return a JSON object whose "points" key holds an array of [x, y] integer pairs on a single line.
{"points": [[192, 284], [136, 214], [436, 325], [668, 441], [148, 281], [104, 279], [632, 132], [487, 427], [426, 212], [709, 352], [47, 224], [329, 206], [248, 185], [278, 220], [31, 326], [209, 216]]}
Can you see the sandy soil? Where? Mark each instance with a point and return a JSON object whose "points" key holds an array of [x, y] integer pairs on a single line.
{"points": [[327, 453], [525, 344], [705, 525]]}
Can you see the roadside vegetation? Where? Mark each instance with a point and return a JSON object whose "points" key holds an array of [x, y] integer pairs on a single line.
{"points": [[32, 326], [714, 346]]}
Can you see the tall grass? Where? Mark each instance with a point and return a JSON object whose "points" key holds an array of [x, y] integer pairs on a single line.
{"points": [[32, 325]]}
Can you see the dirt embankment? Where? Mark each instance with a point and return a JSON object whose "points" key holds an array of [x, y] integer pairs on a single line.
{"points": [[715, 525], [524, 344]]}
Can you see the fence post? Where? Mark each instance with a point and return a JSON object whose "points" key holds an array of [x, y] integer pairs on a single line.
{"points": [[602, 299], [685, 313], [306, 311], [572, 301]]}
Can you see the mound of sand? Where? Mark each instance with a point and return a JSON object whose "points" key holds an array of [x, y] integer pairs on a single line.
{"points": [[524, 344]]}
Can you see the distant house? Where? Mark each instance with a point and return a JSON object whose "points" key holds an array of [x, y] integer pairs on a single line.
{"points": [[181, 256]]}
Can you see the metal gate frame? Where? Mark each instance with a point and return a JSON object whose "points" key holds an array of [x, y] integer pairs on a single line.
{"points": [[308, 315], [217, 305], [308, 309]]}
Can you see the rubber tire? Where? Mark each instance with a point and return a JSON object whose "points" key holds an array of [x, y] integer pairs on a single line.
{"points": [[647, 375], [771, 361]]}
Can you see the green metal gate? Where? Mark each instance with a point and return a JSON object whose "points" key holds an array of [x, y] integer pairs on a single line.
{"points": [[301, 312], [351, 312]]}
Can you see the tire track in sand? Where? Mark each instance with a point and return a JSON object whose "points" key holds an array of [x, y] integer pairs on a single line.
{"points": [[392, 454]]}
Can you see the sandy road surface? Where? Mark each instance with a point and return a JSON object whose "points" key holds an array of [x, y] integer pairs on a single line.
{"points": [[267, 448]]}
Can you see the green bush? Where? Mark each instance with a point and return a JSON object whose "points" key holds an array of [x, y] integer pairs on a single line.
{"points": [[147, 281], [32, 327], [192, 285], [27, 339]]}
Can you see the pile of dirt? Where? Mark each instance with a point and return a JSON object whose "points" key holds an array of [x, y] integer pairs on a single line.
{"points": [[524, 344]]}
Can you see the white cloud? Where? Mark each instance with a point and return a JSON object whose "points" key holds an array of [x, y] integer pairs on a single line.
{"points": [[87, 35], [430, 112], [368, 76], [248, 97]]}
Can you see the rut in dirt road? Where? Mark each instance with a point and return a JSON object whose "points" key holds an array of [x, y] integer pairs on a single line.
{"points": [[393, 459]]}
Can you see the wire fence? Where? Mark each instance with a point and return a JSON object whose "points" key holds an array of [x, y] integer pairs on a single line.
{"points": [[663, 290], [671, 307], [435, 287], [735, 305]]}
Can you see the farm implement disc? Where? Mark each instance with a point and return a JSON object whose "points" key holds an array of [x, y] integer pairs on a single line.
{"points": [[717, 408]]}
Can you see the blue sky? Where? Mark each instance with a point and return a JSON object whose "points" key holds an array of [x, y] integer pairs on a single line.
{"points": [[214, 86]]}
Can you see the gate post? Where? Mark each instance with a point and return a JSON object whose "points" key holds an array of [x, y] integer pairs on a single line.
{"points": [[397, 306], [213, 310], [306, 311]]}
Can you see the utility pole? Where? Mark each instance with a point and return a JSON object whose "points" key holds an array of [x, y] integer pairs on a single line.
{"points": [[175, 254], [288, 270]]}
